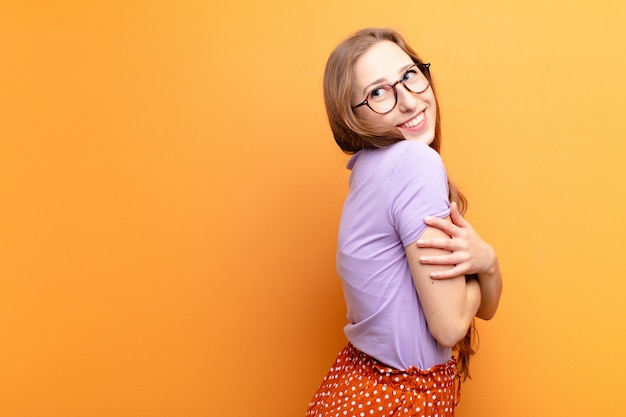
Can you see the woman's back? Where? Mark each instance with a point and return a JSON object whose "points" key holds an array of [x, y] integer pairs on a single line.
{"points": [[391, 191]]}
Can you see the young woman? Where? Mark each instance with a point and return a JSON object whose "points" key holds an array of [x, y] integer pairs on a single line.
{"points": [[414, 272]]}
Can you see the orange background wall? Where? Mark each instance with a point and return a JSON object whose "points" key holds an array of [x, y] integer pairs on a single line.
{"points": [[170, 194]]}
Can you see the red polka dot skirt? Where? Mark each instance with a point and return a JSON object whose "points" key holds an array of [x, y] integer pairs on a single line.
{"points": [[357, 385]]}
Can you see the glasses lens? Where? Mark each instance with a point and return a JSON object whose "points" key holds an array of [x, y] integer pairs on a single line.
{"points": [[416, 82], [382, 100]]}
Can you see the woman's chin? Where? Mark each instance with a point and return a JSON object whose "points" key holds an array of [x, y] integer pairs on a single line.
{"points": [[424, 137]]}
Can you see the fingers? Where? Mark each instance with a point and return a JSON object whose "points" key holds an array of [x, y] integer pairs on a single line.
{"points": [[452, 259], [455, 272], [451, 245], [456, 217], [442, 224], [438, 260], [446, 244]]}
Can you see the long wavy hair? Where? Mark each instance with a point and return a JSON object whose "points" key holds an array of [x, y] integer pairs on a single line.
{"points": [[352, 134]]}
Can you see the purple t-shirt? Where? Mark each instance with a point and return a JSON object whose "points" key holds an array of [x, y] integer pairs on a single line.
{"points": [[391, 191]]}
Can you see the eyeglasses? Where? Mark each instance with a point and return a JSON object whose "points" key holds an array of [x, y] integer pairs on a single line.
{"points": [[384, 98]]}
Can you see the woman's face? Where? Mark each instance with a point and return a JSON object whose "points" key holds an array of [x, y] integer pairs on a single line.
{"points": [[414, 113]]}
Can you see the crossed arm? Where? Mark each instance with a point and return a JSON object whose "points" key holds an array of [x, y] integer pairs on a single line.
{"points": [[448, 250]]}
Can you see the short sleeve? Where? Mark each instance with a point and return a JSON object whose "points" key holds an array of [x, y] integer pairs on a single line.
{"points": [[418, 188]]}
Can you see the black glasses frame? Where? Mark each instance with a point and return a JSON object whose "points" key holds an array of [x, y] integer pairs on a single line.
{"points": [[425, 70]]}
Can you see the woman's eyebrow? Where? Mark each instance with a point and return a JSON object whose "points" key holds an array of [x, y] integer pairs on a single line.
{"points": [[378, 81], [381, 80]]}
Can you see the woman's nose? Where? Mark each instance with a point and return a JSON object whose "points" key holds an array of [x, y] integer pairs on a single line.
{"points": [[407, 100]]}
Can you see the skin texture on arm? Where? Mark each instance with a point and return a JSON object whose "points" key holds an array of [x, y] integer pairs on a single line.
{"points": [[449, 304], [465, 253]]}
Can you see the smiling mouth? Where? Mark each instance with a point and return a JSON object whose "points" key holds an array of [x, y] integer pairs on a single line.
{"points": [[414, 121]]}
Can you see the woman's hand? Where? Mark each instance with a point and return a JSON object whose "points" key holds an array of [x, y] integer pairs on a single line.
{"points": [[469, 254]]}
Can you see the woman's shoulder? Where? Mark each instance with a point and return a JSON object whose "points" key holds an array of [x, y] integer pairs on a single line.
{"points": [[413, 147], [408, 148], [400, 156], [412, 152]]}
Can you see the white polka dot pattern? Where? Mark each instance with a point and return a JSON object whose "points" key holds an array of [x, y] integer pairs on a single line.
{"points": [[359, 386]]}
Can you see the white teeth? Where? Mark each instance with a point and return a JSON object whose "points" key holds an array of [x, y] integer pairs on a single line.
{"points": [[414, 122]]}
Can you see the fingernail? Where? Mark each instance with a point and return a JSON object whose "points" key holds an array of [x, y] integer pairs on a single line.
{"points": [[434, 275], [423, 258], [421, 242], [428, 218]]}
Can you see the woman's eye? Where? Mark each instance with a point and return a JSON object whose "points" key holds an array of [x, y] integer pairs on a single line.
{"points": [[378, 93], [410, 74]]}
